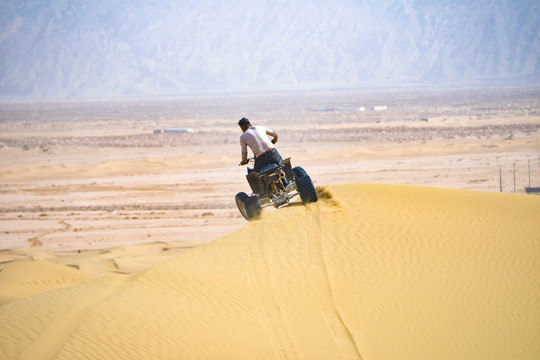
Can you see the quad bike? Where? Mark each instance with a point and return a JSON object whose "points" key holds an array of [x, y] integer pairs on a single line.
{"points": [[274, 185]]}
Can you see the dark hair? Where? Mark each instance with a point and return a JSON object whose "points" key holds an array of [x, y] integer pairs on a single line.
{"points": [[243, 122]]}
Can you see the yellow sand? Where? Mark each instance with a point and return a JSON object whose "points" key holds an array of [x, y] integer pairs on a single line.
{"points": [[368, 272]]}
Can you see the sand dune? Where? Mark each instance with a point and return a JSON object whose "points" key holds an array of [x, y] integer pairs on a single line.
{"points": [[368, 272], [23, 279]]}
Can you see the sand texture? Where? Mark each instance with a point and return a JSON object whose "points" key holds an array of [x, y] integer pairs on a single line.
{"points": [[371, 271]]}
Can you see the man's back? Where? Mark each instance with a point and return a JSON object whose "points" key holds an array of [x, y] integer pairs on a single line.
{"points": [[256, 138]]}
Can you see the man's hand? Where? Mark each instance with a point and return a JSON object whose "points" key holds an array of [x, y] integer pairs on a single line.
{"points": [[243, 162]]}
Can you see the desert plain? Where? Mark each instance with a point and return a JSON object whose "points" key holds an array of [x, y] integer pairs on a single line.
{"points": [[120, 241]]}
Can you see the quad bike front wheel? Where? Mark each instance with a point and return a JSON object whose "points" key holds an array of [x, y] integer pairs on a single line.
{"points": [[306, 189], [249, 206]]}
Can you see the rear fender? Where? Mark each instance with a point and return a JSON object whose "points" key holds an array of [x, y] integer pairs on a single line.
{"points": [[288, 169], [256, 184]]}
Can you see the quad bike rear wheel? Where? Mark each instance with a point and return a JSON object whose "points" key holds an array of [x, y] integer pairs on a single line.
{"points": [[306, 189], [299, 172], [249, 206]]}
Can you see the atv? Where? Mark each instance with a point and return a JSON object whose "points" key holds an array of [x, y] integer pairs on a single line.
{"points": [[274, 186]]}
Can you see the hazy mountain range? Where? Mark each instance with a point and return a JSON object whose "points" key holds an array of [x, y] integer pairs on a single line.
{"points": [[96, 48]]}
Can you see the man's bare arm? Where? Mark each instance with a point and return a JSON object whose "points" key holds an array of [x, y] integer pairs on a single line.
{"points": [[244, 153], [274, 135]]}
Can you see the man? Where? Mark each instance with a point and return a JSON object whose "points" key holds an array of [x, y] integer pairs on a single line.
{"points": [[256, 137]]}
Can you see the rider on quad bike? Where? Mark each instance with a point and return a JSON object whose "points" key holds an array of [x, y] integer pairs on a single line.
{"points": [[263, 149], [272, 179]]}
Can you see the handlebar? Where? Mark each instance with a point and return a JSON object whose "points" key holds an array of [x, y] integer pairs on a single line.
{"points": [[251, 159]]}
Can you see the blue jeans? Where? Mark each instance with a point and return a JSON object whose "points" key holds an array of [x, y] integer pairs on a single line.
{"points": [[271, 157]]}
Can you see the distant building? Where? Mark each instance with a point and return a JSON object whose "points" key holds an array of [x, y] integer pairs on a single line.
{"points": [[178, 130], [173, 130]]}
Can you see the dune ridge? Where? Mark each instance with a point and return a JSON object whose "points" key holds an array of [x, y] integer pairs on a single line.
{"points": [[371, 271]]}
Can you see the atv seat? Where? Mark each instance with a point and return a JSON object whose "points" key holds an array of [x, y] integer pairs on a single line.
{"points": [[268, 168]]}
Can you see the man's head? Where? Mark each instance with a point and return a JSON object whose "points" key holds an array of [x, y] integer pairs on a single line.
{"points": [[244, 124]]}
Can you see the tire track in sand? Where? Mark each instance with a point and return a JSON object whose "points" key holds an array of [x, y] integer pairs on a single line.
{"points": [[315, 254], [268, 303]]}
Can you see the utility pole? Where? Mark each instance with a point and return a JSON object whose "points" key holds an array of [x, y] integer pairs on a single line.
{"points": [[514, 176], [500, 179], [529, 165]]}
